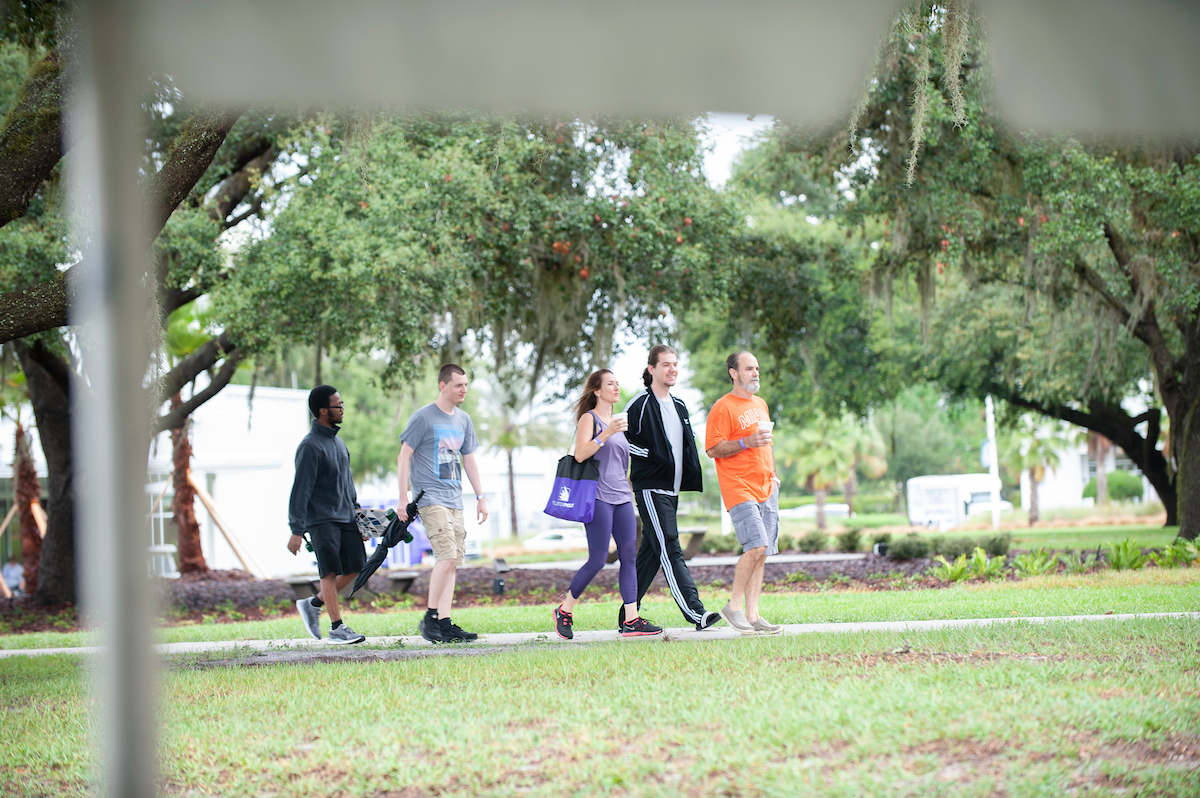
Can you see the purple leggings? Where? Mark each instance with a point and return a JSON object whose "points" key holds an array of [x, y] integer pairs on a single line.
{"points": [[618, 522]]}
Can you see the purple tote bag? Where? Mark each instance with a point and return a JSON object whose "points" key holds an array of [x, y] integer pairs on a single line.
{"points": [[573, 496]]}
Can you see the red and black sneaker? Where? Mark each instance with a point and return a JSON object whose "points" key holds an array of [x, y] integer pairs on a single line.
{"points": [[639, 627], [563, 622]]}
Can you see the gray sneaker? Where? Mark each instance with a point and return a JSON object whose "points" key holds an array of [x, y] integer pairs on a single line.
{"points": [[765, 627], [344, 634], [311, 616], [737, 619]]}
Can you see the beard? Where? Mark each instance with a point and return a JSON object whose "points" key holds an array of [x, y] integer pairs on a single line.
{"points": [[749, 387]]}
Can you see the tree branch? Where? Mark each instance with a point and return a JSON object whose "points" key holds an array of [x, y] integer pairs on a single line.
{"points": [[177, 417], [198, 361], [234, 188], [31, 139]]}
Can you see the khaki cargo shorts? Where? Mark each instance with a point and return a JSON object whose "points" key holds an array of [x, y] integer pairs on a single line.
{"points": [[446, 532]]}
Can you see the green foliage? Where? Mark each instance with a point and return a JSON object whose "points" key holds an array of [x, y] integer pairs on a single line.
{"points": [[1122, 486], [813, 541], [910, 547], [1035, 563], [925, 434], [1076, 563], [719, 544], [1126, 555], [1181, 553], [849, 539], [983, 567], [271, 605], [994, 545], [947, 571]]}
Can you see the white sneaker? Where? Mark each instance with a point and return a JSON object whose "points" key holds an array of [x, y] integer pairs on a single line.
{"points": [[765, 627], [737, 619], [344, 634], [311, 616]]}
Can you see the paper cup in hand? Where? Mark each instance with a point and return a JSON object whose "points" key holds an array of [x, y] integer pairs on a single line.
{"points": [[620, 417], [765, 426]]}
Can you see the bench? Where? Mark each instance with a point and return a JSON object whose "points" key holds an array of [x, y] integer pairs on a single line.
{"points": [[308, 585], [695, 538]]}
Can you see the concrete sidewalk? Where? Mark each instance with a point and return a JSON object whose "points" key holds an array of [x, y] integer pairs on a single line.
{"points": [[526, 638], [695, 562]]}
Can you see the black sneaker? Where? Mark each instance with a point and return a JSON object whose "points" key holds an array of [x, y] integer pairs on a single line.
{"points": [[621, 618], [563, 622], [430, 630], [639, 627], [454, 633], [709, 619]]}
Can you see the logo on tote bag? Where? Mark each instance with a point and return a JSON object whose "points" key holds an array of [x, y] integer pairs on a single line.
{"points": [[564, 494]]}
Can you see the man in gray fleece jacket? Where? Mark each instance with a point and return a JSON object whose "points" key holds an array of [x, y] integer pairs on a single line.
{"points": [[323, 503]]}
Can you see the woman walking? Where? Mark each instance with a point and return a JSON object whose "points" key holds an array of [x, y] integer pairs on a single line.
{"points": [[599, 435]]}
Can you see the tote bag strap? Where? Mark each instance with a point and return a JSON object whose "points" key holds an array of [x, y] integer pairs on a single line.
{"points": [[595, 432]]}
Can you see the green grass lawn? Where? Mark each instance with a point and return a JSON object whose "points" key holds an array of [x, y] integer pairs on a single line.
{"points": [[1152, 590], [1100, 708]]}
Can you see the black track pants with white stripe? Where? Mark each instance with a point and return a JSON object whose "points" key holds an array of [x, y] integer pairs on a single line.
{"points": [[660, 549]]}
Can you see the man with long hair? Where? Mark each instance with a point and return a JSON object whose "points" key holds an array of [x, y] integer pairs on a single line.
{"points": [[436, 438], [665, 461], [738, 437], [322, 504]]}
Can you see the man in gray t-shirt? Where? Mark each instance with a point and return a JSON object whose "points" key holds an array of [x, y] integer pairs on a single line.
{"points": [[437, 446]]}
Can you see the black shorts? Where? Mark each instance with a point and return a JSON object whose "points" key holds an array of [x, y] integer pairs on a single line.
{"points": [[339, 548]]}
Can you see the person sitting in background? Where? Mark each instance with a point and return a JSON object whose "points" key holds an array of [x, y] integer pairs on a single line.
{"points": [[14, 575]]}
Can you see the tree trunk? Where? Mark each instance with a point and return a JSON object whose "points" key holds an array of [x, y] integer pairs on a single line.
{"points": [[1185, 441], [512, 494], [191, 555], [1100, 447], [28, 491], [48, 380], [820, 494], [851, 490], [1033, 498]]}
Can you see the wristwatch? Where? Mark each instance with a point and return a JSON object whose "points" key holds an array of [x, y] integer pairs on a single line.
{"points": [[478, 497]]}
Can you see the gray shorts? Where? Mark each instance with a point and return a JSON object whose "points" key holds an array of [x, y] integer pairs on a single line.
{"points": [[757, 523]]}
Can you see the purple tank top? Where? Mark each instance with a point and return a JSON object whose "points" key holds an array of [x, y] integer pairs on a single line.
{"points": [[614, 467]]}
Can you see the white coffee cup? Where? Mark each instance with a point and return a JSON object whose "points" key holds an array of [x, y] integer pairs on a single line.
{"points": [[620, 417], [765, 426]]}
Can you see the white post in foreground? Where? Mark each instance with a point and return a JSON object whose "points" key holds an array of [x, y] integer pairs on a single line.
{"points": [[993, 465]]}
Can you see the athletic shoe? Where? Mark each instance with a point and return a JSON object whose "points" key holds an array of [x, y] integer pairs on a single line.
{"points": [[765, 627], [311, 616], [639, 627], [707, 620], [621, 617], [563, 622], [737, 619], [455, 634], [430, 630], [344, 634]]}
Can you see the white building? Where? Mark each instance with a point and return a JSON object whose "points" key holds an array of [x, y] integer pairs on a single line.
{"points": [[1062, 487]]}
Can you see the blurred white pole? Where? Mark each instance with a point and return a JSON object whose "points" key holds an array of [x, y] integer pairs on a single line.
{"points": [[993, 458], [111, 429]]}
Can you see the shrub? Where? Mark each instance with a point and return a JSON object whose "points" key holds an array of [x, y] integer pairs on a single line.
{"points": [[984, 567], [910, 547], [881, 537], [813, 541], [994, 545], [1122, 487], [787, 543], [1076, 563], [951, 572], [1180, 553], [997, 545], [716, 544], [1035, 563], [849, 538], [1126, 555], [798, 576]]}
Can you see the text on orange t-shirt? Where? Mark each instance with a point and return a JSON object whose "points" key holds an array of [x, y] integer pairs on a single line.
{"points": [[745, 476]]}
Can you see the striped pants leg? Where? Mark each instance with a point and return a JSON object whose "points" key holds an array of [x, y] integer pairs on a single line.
{"points": [[660, 549]]}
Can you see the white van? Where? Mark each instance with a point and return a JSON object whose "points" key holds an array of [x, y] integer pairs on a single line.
{"points": [[947, 500]]}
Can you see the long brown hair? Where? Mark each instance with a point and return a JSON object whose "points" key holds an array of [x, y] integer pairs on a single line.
{"points": [[588, 400], [656, 352]]}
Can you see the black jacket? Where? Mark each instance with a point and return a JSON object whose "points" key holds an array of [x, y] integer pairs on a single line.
{"points": [[651, 461], [323, 491]]}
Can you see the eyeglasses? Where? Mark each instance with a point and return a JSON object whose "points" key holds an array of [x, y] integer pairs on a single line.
{"points": [[337, 407]]}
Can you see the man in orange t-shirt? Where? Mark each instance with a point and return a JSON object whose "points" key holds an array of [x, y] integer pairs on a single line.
{"points": [[738, 438]]}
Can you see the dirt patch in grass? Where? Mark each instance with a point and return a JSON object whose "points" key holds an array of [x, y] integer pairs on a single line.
{"points": [[256, 659]]}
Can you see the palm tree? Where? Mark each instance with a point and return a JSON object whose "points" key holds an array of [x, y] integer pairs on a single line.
{"points": [[823, 456], [185, 333], [508, 423], [868, 453], [1034, 448]]}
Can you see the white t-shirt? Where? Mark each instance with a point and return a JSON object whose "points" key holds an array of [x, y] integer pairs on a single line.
{"points": [[674, 429]]}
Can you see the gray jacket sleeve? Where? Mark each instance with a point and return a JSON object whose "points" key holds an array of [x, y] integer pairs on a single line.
{"points": [[306, 477]]}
